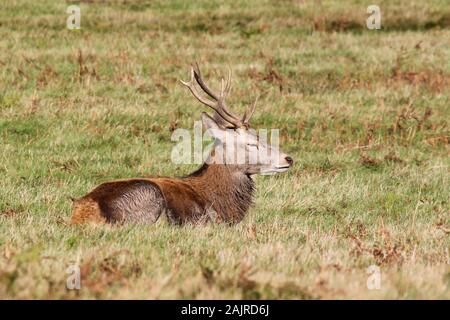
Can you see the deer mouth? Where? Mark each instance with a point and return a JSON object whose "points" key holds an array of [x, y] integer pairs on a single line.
{"points": [[275, 170]]}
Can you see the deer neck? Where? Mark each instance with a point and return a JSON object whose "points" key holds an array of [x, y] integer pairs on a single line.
{"points": [[225, 188]]}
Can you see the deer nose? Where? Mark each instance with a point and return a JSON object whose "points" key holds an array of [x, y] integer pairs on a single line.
{"points": [[289, 160]]}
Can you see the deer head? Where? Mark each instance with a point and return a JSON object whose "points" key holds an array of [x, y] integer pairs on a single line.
{"points": [[236, 144]]}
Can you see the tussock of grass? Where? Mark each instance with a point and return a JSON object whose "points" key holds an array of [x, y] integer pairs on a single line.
{"points": [[365, 114]]}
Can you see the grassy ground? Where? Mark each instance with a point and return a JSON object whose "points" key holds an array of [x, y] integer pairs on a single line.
{"points": [[365, 113]]}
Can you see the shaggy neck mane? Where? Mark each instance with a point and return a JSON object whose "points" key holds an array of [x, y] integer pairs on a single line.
{"points": [[225, 187]]}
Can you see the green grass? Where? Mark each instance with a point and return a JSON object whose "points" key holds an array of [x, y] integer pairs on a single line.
{"points": [[364, 113]]}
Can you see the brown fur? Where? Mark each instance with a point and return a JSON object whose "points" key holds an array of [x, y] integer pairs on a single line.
{"points": [[86, 210], [212, 193]]}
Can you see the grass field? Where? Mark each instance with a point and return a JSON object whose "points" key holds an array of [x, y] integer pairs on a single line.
{"points": [[365, 114]]}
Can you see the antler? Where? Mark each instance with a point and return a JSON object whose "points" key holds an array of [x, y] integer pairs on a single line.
{"points": [[219, 104], [248, 115]]}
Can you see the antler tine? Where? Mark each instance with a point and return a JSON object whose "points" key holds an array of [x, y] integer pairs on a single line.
{"points": [[204, 86], [194, 91], [217, 107], [201, 83], [247, 116], [225, 89]]}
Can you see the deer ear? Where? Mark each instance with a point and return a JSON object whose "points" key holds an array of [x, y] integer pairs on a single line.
{"points": [[219, 121], [208, 122], [211, 126]]}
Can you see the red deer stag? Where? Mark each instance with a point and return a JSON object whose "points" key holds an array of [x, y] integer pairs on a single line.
{"points": [[220, 190]]}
